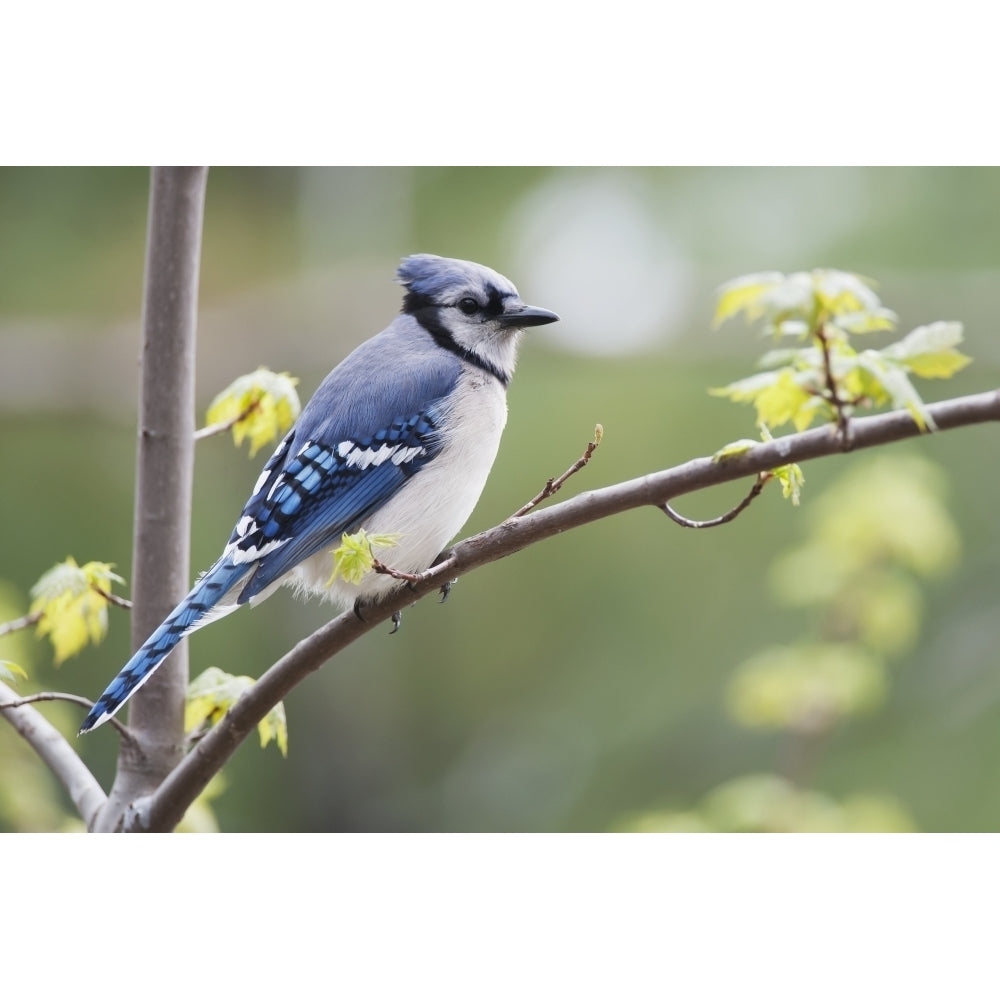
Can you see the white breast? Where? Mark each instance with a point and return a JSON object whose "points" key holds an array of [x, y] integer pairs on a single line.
{"points": [[432, 507]]}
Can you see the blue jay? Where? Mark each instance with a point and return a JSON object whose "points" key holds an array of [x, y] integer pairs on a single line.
{"points": [[400, 437]]}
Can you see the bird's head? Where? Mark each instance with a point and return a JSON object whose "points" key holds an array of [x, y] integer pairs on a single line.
{"points": [[469, 307]]}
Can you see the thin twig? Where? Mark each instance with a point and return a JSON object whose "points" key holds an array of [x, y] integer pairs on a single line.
{"points": [[73, 699], [225, 425], [53, 748], [118, 602], [396, 574], [19, 623], [833, 391], [36, 616], [554, 485], [730, 515]]}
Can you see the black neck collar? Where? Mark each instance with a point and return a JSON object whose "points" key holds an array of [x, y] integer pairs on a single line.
{"points": [[425, 313]]}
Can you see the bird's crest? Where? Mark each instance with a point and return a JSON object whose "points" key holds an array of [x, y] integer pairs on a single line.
{"points": [[430, 276]]}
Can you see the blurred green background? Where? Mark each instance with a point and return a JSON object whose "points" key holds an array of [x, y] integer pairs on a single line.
{"points": [[583, 684]]}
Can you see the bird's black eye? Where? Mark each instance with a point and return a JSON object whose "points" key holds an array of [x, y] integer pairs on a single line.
{"points": [[468, 306]]}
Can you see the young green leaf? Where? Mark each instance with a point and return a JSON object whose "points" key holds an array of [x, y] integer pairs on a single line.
{"points": [[875, 321], [792, 480], [259, 407], [733, 449], [929, 351], [71, 601], [11, 671], [745, 295], [274, 726], [354, 558], [210, 695], [797, 304], [891, 377], [842, 294], [806, 686]]}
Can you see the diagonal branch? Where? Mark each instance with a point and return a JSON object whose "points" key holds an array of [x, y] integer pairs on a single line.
{"points": [[55, 751], [163, 809]]}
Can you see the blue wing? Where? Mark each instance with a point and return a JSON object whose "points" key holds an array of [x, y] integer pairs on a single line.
{"points": [[312, 492], [365, 432]]}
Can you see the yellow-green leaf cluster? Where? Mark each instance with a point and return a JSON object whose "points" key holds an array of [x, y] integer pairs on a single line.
{"points": [[210, 695], [73, 608], [885, 512], [930, 351], [769, 803], [260, 407], [793, 304], [354, 558], [792, 479], [806, 687], [827, 377], [877, 531]]}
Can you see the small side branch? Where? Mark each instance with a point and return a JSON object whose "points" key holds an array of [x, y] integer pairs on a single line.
{"points": [[730, 515], [397, 574], [225, 425], [832, 394], [19, 623], [73, 699], [555, 484], [118, 602], [62, 760], [27, 621]]}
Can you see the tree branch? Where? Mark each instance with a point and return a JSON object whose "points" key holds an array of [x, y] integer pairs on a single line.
{"points": [[164, 472], [19, 623], [755, 491], [50, 745], [164, 808], [73, 699]]}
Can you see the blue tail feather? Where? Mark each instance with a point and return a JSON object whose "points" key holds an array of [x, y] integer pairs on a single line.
{"points": [[202, 605]]}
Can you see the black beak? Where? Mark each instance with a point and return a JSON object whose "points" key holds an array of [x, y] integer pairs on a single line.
{"points": [[524, 316]]}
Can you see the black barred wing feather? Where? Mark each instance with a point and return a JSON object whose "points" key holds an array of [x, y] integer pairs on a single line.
{"points": [[312, 491]]}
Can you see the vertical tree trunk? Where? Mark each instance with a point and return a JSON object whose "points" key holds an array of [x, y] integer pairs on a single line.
{"points": [[164, 468]]}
